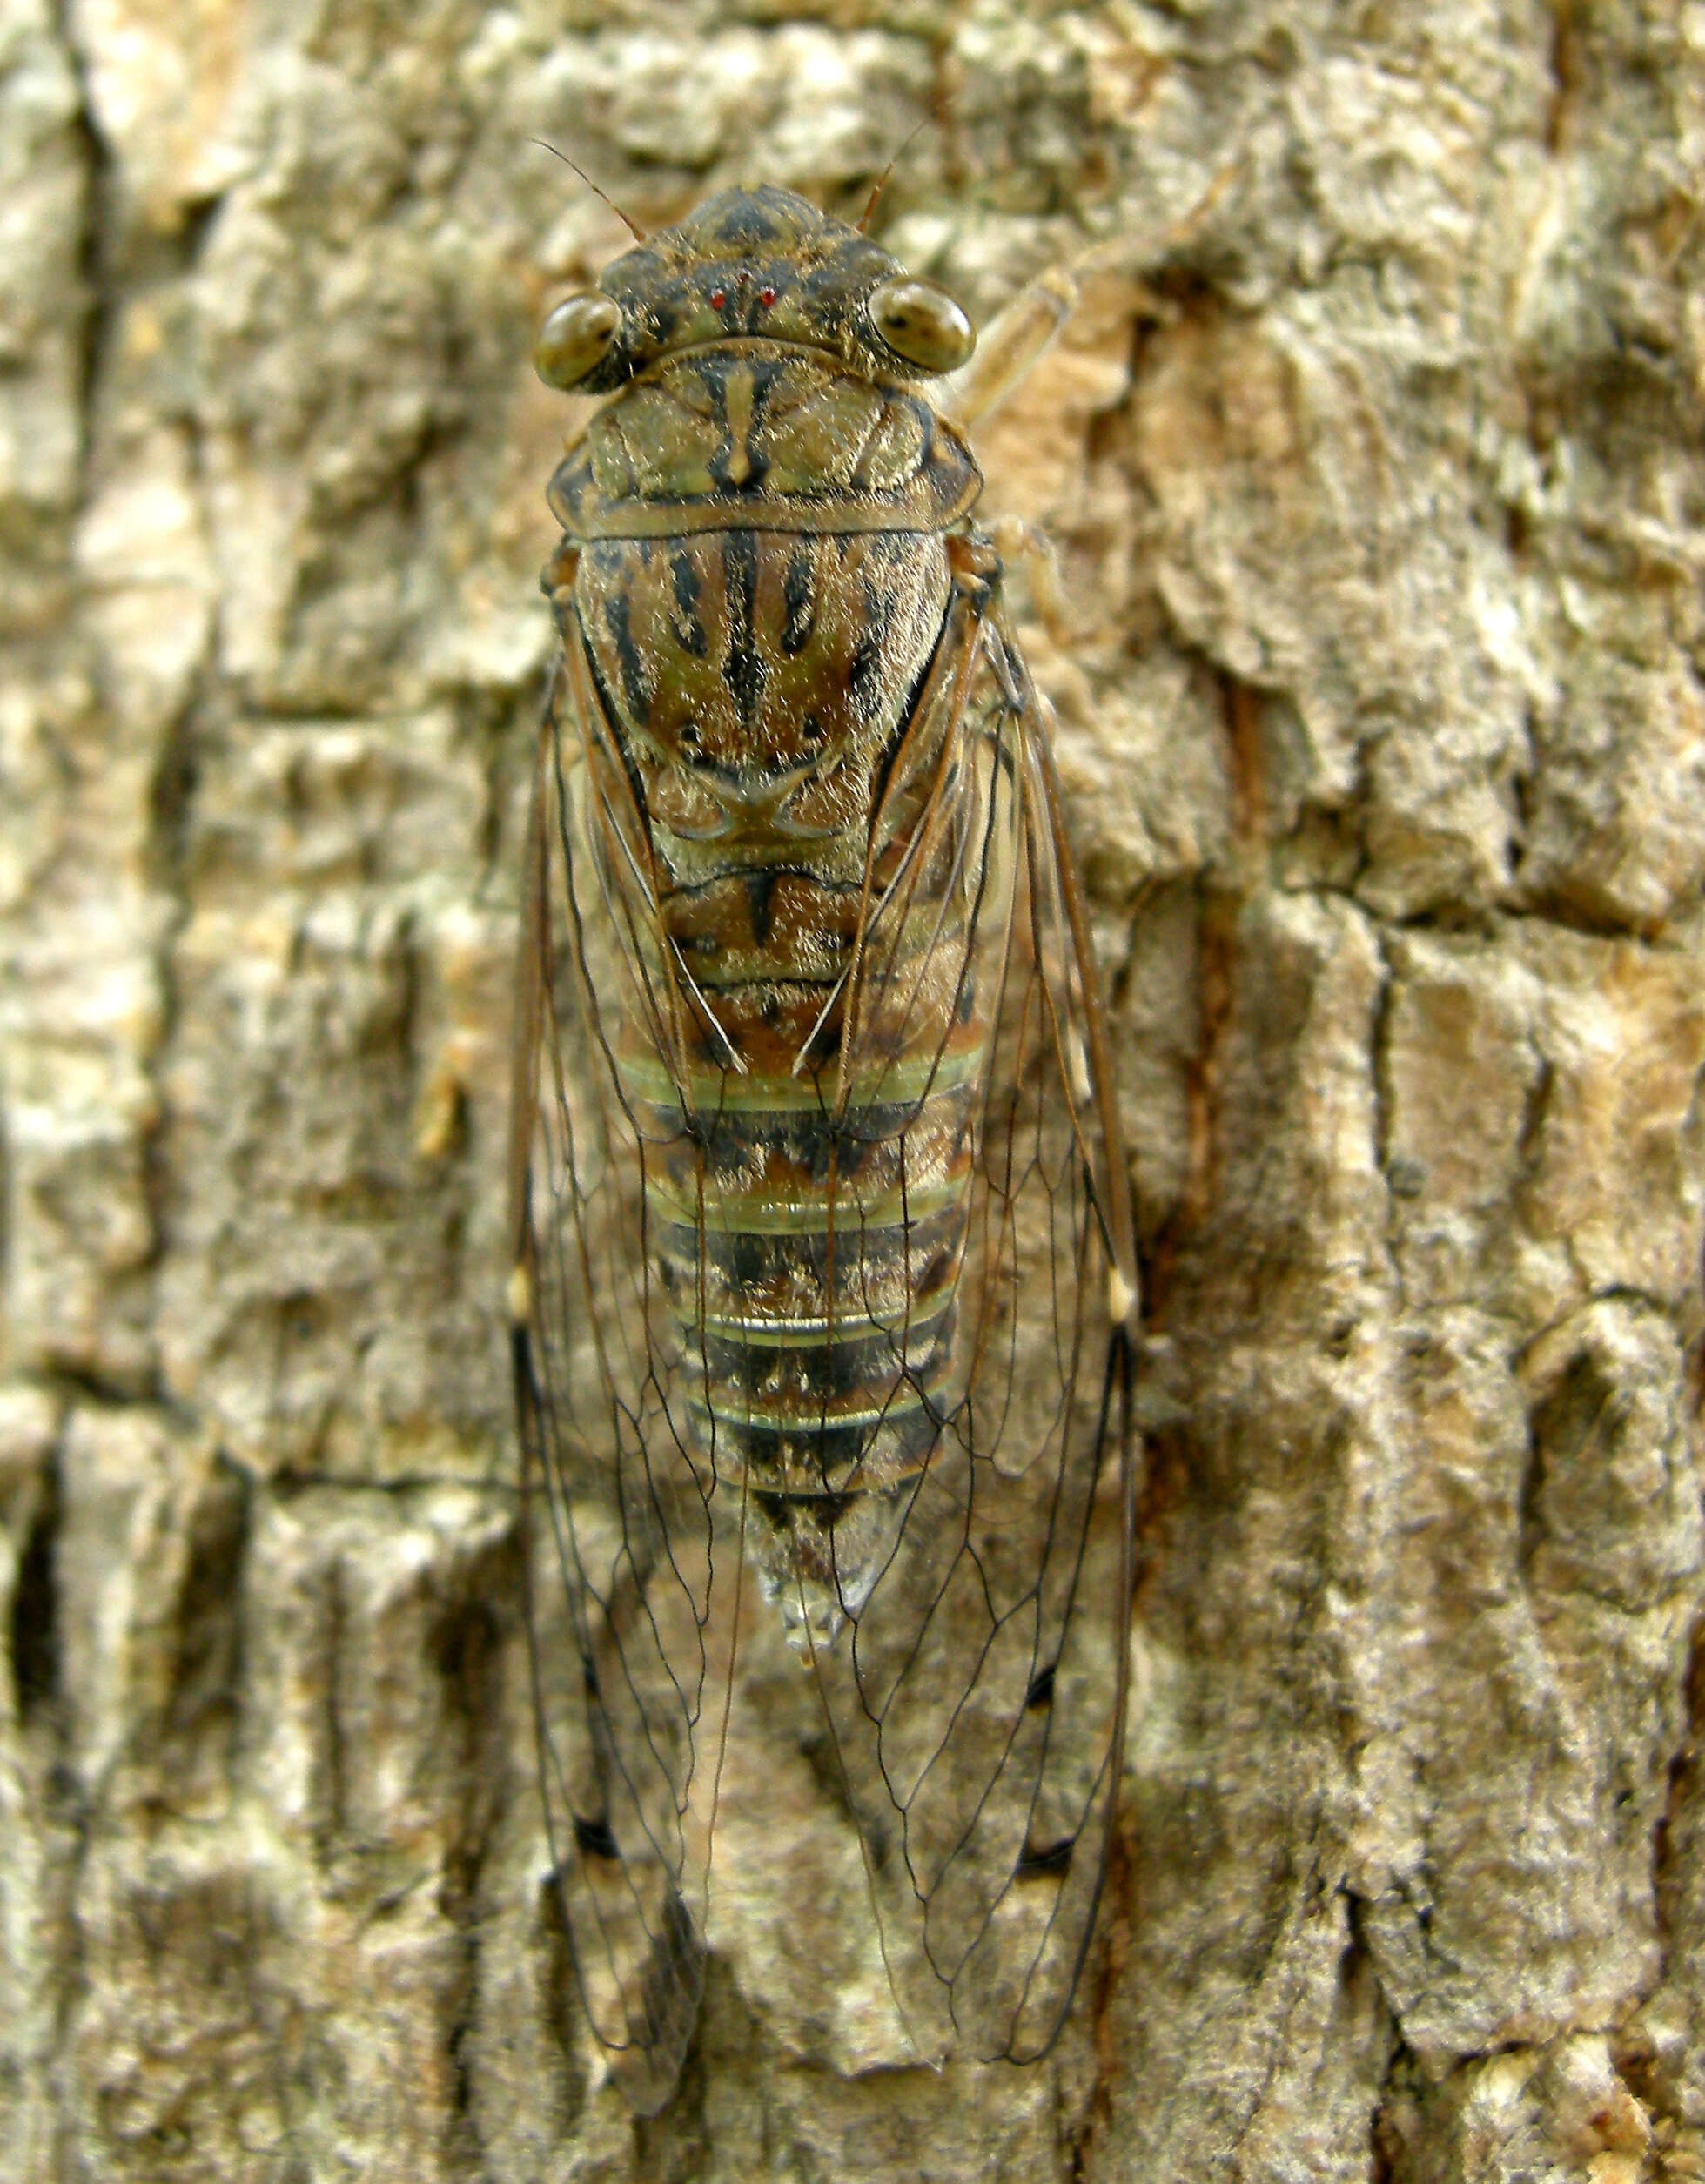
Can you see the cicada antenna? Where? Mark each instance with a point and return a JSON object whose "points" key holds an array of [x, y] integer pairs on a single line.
{"points": [[882, 179], [631, 226]]}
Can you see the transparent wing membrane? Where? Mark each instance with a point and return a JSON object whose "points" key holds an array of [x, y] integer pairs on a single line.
{"points": [[977, 1707], [839, 1338]]}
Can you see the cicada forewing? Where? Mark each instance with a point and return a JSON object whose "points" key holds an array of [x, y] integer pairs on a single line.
{"points": [[977, 1699], [947, 1536], [619, 1503]]}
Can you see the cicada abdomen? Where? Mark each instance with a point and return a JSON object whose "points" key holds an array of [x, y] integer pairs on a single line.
{"points": [[823, 1260]]}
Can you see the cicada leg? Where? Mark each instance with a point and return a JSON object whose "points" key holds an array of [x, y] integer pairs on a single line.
{"points": [[1021, 334], [1022, 544]]}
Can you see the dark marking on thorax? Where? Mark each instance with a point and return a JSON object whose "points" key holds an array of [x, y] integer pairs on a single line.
{"points": [[799, 601], [868, 671], [689, 629], [760, 893], [738, 386], [627, 657], [744, 670]]}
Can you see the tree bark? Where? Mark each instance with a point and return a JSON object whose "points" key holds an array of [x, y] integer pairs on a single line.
{"points": [[1378, 483]]}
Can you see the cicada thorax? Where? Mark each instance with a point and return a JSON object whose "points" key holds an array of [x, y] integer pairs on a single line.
{"points": [[772, 624]]}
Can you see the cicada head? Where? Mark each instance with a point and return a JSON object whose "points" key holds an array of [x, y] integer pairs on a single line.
{"points": [[759, 264]]}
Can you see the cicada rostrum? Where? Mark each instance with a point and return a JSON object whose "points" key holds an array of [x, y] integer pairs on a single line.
{"points": [[824, 1279]]}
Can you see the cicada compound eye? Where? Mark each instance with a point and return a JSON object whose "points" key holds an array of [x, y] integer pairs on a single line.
{"points": [[576, 338], [922, 323]]}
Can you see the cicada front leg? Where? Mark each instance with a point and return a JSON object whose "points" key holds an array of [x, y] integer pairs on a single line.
{"points": [[1022, 331], [1015, 342]]}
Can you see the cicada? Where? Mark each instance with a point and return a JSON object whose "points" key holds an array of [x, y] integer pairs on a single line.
{"points": [[823, 1286]]}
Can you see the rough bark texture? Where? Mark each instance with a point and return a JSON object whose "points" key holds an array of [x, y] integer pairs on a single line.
{"points": [[1379, 491]]}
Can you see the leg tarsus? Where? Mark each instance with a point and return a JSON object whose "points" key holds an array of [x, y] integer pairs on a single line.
{"points": [[1018, 541], [1023, 543]]}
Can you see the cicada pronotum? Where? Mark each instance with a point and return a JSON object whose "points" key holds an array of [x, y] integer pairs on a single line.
{"points": [[824, 1280]]}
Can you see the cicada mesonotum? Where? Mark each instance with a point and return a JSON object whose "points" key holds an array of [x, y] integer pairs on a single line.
{"points": [[823, 1276]]}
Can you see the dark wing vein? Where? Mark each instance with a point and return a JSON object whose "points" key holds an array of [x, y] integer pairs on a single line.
{"points": [[622, 1567], [976, 1703], [978, 1712]]}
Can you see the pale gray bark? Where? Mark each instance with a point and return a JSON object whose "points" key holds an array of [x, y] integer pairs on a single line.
{"points": [[1379, 491]]}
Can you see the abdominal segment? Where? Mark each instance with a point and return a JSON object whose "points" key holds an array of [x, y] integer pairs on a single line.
{"points": [[811, 1269]]}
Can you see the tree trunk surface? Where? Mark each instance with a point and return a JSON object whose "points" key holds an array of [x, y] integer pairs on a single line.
{"points": [[1376, 475]]}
